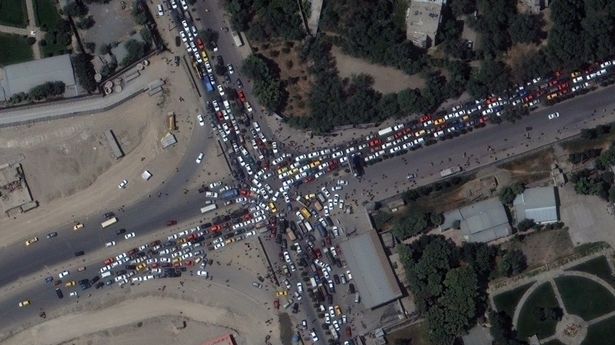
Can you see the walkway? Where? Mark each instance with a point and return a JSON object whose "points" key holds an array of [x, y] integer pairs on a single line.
{"points": [[30, 30], [314, 19]]}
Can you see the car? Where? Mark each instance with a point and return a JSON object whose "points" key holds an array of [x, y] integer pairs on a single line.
{"points": [[202, 273], [70, 283], [160, 10], [31, 241], [24, 303], [79, 253], [120, 231], [77, 226], [199, 158], [281, 293], [199, 118], [122, 184], [81, 269], [248, 107], [230, 69], [220, 89], [110, 244], [239, 83], [313, 335], [130, 235], [73, 294], [257, 285], [411, 176], [214, 46], [52, 235], [348, 275], [554, 115], [304, 324]]}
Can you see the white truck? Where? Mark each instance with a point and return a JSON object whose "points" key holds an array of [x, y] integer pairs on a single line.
{"points": [[237, 38], [450, 171], [385, 131], [108, 222], [208, 208]]}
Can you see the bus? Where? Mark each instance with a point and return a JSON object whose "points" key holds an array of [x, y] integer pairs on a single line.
{"points": [[236, 39], [108, 222]]}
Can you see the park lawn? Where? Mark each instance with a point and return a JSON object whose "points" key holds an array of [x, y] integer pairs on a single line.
{"points": [[601, 333], [529, 323], [13, 13], [598, 267], [507, 301], [15, 48], [46, 13], [584, 297]]}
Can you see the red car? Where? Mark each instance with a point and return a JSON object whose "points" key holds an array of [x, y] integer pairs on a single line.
{"points": [[276, 303], [200, 44], [425, 118], [109, 261], [242, 96], [216, 228], [171, 222]]}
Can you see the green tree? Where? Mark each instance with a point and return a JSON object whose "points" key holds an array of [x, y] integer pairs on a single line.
{"points": [[411, 224], [512, 263], [436, 218], [493, 77], [84, 70], [461, 7], [526, 224], [75, 9], [269, 93], [525, 28], [86, 23]]}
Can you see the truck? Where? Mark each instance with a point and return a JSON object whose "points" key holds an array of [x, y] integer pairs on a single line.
{"points": [[450, 171], [108, 222], [385, 131], [229, 194], [207, 84], [304, 211], [208, 208], [291, 235], [237, 38], [313, 283]]}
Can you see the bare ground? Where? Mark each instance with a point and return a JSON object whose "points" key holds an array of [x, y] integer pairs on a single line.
{"points": [[543, 247], [386, 79]]}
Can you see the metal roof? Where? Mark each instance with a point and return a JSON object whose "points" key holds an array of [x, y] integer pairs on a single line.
{"points": [[538, 204], [371, 270], [24, 76], [484, 221]]}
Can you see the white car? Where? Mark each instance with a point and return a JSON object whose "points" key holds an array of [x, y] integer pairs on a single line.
{"points": [[220, 90], [199, 158], [313, 335], [248, 107], [160, 10], [123, 184], [199, 118], [63, 274], [202, 273], [554, 115], [130, 235], [110, 244], [230, 69], [74, 294]]}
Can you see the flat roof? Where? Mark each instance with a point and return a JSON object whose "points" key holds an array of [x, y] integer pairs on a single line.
{"points": [[484, 221], [371, 270], [538, 204], [423, 19], [24, 76]]}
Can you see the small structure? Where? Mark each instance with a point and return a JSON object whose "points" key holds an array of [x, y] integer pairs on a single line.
{"points": [[115, 146], [539, 204], [24, 76], [422, 21], [483, 221], [168, 140], [223, 340], [536, 6], [15, 195], [373, 275]]}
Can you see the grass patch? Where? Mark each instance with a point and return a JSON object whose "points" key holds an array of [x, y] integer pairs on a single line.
{"points": [[601, 333], [584, 297], [416, 333], [553, 342], [46, 14], [15, 48], [507, 301], [529, 322], [13, 13], [598, 267]]}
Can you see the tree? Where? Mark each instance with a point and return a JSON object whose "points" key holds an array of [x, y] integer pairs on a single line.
{"points": [[75, 9], [525, 28], [526, 224], [508, 194], [208, 36], [436, 218], [512, 262], [461, 7], [255, 67], [139, 15], [493, 77], [86, 23], [411, 224], [84, 70], [136, 50]]}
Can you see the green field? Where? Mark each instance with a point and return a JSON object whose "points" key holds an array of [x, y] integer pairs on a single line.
{"points": [[507, 301], [584, 297], [15, 49], [46, 14], [601, 333], [529, 322], [597, 266], [13, 13]]}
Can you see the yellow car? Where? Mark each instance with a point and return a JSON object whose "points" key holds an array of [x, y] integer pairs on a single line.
{"points": [[77, 226], [281, 293], [24, 303], [141, 267], [32, 240], [272, 207], [439, 121], [70, 283], [338, 310]]}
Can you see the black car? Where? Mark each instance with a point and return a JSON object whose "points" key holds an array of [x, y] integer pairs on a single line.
{"points": [[120, 231], [94, 279], [99, 285], [59, 293], [239, 83], [109, 215], [79, 253], [52, 235]]}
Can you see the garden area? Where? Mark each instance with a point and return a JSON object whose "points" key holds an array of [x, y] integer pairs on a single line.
{"points": [[584, 297], [15, 49], [539, 314], [58, 32], [601, 333], [507, 301], [598, 267], [13, 13]]}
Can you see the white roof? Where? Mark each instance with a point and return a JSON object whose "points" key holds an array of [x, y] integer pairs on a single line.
{"points": [[538, 204]]}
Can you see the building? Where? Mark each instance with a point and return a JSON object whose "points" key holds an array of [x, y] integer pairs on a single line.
{"points": [[372, 272], [24, 76], [223, 340], [539, 204], [422, 21], [483, 221], [536, 6]]}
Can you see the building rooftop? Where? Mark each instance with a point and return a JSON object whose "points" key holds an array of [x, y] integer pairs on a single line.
{"points": [[371, 270], [24, 76], [539, 204], [483, 221], [422, 21]]}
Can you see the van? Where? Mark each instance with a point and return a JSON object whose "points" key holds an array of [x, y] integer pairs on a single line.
{"points": [[308, 226], [106, 274], [357, 298]]}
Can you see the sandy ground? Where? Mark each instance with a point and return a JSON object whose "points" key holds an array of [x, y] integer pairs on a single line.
{"points": [[386, 79], [75, 153]]}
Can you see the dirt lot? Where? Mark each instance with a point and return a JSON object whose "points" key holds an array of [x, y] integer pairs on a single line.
{"points": [[386, 79], [113, 24], [532, 167], [543, 247]]}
